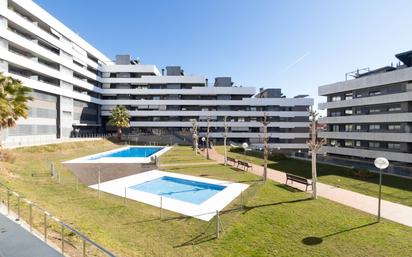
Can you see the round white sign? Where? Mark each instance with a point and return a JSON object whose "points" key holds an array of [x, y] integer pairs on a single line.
{"points": [[203, 139], [381, 163]]}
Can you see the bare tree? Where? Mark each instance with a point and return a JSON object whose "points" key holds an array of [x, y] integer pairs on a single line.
{"points": [[194, 135], [265, 124], [314, 145], [225, 138], [207, 137]]}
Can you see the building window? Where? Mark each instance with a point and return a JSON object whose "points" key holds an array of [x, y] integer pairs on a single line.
{"points": [[358, 127], [374, 144], [336, 98], [394, 109], [334, 114], [348, 96], [373, 93], [349, 143], [348, 127], [374, 127], [374, 110], [348, 111], [335, 128], [358, 143], [394, 127], [358, 111], [394, 146]]}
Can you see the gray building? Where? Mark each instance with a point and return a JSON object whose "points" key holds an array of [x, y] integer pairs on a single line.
{"points": [[370, 116]]}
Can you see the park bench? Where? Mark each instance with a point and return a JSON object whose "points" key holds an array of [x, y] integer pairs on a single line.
{"points": [[298, 179], [230, 159], [244, 164]]}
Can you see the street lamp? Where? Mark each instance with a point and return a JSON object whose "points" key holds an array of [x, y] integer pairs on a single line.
{"points": [[245, 146], [380, 163]]}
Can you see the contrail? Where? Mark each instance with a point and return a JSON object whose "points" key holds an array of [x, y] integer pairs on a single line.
{"points": [[295, 62]]}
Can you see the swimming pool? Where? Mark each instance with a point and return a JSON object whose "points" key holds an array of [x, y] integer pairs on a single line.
{"points": [[194, 196], [130, 152], [180, 189]]}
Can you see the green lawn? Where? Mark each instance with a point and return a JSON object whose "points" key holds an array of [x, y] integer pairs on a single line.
{"points": [[274, 222], [395, 189]]}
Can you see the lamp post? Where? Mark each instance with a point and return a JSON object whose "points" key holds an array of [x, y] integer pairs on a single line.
{"points": [[380, 163]]}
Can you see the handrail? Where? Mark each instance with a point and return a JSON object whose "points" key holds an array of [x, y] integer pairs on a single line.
{"points": [[78, 233]]}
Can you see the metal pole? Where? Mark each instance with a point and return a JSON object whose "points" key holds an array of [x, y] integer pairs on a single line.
{"points": [[241, 199], [62, 235], [45, 227], [8, 201], [84, 248], [161, 207], [18, 208], [125, 196], [98, 182], [31, 216], [217, 225], [380, 195]]}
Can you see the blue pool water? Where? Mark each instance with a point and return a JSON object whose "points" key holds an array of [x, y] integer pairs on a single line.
{"points": [[131, 152], [180, 189]]}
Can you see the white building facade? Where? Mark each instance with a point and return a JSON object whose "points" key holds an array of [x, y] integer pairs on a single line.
{"points": [[75, 86]]}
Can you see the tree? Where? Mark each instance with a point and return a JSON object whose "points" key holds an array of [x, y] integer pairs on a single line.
{"points": [[13, 101], [225, 139], [314, 145], [194, 135], [265, 124], [207, 137], [119, 118]]}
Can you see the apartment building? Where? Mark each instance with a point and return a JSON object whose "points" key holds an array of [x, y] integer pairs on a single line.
{"points": [[370, 116], [75, 86]]}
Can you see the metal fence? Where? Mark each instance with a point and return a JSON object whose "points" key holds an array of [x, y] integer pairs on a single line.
{"points": [[51, 229]]}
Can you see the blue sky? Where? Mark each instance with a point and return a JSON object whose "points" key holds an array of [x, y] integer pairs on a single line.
{"points": [[291, 44]]}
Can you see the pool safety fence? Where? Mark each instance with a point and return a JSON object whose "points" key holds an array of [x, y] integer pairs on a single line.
{"points": [[49, 228]]}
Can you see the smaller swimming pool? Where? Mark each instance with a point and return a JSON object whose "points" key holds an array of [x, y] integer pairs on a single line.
{"points": [[180, 189], [130, 152]]}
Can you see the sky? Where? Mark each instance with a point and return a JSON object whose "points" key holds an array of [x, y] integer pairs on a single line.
{"points": [[295, 45]]}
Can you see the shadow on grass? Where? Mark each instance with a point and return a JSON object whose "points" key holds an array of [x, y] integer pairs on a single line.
{"points": [[313, 240], [289, 188], [247, 208]]}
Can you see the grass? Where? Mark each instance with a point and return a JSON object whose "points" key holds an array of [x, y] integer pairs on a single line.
{"points": [[276, 220], [394, 189]]}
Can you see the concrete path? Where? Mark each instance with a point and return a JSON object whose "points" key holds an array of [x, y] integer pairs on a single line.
{"points": [[15, 241], [392, 211]]}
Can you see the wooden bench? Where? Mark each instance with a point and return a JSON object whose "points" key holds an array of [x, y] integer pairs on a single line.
{"points": [[244, 164], [230, 159], [298, 179]]}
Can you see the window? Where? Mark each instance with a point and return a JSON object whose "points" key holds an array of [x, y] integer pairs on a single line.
{"points": [[336, 98], [358, 95], [335, 128], [348, 111], [358, 143], [358, 127], [348, 96], [394, 146], [394, 109], [374, 144], [374, 127], [394, 127], [373, 93], [358, 111], [334, 114], [349, 143], [334, 142], [348, 127], [374, 110]]}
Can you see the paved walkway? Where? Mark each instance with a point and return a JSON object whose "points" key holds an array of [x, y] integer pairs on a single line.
{"points": [[392, 211], [15, 241]]}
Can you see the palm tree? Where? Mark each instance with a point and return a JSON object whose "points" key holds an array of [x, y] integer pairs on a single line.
{"points": [[13, 101], [119, 118]]}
